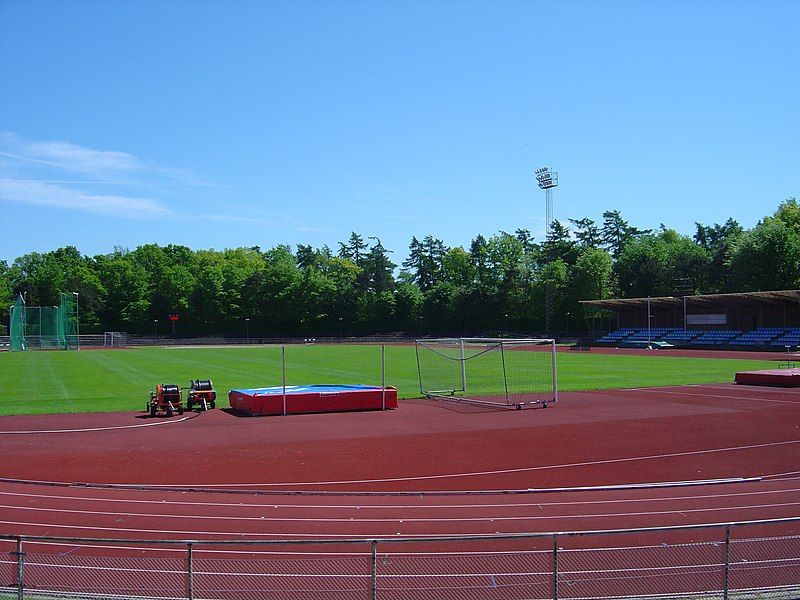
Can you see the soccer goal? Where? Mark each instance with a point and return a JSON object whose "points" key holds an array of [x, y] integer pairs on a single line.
{"points": [[115, 339], [505, 373]]}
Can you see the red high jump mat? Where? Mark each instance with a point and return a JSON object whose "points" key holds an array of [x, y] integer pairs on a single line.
{"points": [[312, 399], [775, 377]]}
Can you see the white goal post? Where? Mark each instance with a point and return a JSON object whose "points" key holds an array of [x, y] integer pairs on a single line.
{"points": [[115, 339], [505, 373]]}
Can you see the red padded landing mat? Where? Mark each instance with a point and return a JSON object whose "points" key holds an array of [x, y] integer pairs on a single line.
{"points": [[776, 377]]}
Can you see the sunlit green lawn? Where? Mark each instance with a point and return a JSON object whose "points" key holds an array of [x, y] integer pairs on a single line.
{"points": [[113, 380]]}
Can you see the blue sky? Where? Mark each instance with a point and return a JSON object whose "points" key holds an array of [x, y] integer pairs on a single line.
{"points": [[224, 124]]}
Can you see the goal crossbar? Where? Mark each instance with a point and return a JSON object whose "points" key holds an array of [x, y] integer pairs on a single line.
{"points": [[499, 372]]}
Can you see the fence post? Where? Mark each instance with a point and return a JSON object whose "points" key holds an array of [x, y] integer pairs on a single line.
{"points": [[189, 572], [726, 579], [383, 376], [374, 570], [555, 566], [20, 570], [283, 377]]}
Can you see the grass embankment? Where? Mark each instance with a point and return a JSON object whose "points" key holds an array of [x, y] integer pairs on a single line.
{"points": [[114, 380]]}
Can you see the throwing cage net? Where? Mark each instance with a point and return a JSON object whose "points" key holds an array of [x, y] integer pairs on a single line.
{"points": [[16, 325], [489, 371], [44, 327]]}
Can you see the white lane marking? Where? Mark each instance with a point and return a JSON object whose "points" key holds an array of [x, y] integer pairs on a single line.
{"points": [[468, 474], [266, 519], [283, 535], [781, 475], [94, 428], [725, 396], [227, 550], [240, 505], [747, 388]]}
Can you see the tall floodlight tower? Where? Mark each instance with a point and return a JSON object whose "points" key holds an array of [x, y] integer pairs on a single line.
{"points": [[548, 180]]}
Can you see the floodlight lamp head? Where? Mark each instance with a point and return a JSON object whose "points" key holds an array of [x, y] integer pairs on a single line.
{"points": [[546, 178]]}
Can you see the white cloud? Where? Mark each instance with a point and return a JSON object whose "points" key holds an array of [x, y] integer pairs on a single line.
{"points": [[68, 156], [45, 194], [62, 175], [109, 165]]}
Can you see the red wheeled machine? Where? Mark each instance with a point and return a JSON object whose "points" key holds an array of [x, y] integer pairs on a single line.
{"points": [[201, 394], [165, 398]]}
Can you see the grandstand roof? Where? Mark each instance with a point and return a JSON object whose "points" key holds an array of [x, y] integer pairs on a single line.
{"points": [[773, 298]]}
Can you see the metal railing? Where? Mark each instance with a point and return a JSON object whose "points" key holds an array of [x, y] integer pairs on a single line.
{"points": [[736, 560]]}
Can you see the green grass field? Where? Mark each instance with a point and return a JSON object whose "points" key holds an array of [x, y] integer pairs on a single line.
{"points": [[116, 380]]}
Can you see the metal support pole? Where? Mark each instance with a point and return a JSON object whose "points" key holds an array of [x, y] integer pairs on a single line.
{"points": [[505, 375], [77, 320], [463, 369], [383, 376], [684, 313], [20, 570], [555, 566], [555, 369], [283, 376], [374, 570], [726, 579], [189, 572]]}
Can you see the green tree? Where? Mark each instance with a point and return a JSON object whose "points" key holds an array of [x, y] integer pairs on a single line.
{"points": [[766, 258], [43, 277], [592, 275], [438, 306], [526, 239], [479, 255], [642, 268], [408, 306], [616, 232], [346, 300], [207, 304], [378, 269], [240, 266], [718, 241], [555, 275], [789, 213], [652, 264], [559, 245], [127, 299], [458, 267], [424, 261], [6, 293], [587, 232], [353, 249]]}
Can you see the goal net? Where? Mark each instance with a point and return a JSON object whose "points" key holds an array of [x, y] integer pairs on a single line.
{"points": [[496, 372], [115, 339]]}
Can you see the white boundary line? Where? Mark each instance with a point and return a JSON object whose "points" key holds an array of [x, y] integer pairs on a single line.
{"points": [[245, 486], [94, 428], [368, 536], [423, 507], [395, 520], [711, 396]]}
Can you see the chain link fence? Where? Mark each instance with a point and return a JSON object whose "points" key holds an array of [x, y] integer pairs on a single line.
{"points": [[749, 560]]}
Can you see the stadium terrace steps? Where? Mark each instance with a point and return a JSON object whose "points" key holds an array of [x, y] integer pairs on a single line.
{"points": [[791, 337], [773, 338]]}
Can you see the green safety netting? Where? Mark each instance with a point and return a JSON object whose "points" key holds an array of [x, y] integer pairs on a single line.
{"points": [[44, 327]]}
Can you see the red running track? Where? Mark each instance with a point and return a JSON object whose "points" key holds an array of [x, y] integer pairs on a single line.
{"points": [[354, 469]]}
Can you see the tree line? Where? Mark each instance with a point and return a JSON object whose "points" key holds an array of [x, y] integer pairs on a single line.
{"points": [[496, 284]]}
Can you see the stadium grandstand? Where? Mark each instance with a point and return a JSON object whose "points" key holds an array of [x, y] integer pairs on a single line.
{"points": [[761, 320]]}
